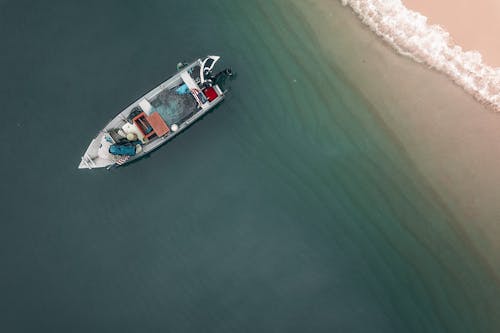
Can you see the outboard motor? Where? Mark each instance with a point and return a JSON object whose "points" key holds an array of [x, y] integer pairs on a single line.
{"points": [[220, 77]]}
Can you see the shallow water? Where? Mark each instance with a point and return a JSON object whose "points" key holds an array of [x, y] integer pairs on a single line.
{"points": [[410, 34], [291, 207]]}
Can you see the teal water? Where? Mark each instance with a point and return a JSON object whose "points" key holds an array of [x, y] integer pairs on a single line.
{"points": [[290, 208]]}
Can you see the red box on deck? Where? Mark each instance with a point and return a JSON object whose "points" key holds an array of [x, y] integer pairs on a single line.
{"points": [[210, 93]]}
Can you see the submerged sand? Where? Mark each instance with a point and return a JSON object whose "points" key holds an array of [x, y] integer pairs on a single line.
{"points": [[475, 25], [453, 140]]}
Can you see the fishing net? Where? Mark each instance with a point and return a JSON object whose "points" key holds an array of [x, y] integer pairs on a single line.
{"points": [[172, 107]]}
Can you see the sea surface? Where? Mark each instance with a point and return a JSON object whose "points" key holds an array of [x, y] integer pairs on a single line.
{"points": [[289, 208]]}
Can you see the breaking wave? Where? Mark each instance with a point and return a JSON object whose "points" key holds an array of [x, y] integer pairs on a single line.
{"points": [[408, 32]]}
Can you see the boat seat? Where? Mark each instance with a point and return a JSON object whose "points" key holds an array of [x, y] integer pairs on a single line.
{"points": [[146, 106], [189, 81]]}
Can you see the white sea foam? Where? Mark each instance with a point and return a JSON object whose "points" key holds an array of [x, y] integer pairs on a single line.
{"points": [[410, 34]]}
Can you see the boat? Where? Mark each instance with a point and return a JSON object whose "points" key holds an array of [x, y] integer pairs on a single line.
{"points": [[158, 116]]}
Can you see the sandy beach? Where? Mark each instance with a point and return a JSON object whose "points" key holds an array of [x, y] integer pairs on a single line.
{"points": [[452, 139], [474, 25]]}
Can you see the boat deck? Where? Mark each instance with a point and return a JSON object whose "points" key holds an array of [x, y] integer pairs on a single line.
{"points": [[173, 107]]}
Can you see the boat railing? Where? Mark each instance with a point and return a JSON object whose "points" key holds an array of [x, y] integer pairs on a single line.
{"points": [[88, 161]]}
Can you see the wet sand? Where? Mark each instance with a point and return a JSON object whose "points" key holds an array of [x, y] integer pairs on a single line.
{"points": [[453, 140], [474, 25]]}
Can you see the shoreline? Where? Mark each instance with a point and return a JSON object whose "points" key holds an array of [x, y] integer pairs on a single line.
{"points": [[483, 17], [451, 138], [409, 34]]}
